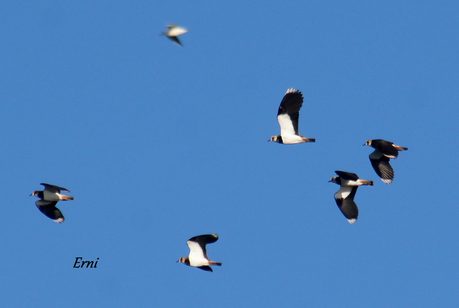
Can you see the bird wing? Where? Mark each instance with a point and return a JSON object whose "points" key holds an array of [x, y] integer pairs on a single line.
{"points": [[383, 169], [50, 210], [206, 268], [347, 175], [54, 188], [175, 40], [289, 112], [198, 244], [346, 204], [205, 239]]}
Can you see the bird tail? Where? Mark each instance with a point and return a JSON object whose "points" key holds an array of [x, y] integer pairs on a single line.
{"points": [[309, 139], [215, 263], [365, 182], [400, 148]]}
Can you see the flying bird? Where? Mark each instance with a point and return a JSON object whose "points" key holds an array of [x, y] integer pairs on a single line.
{"points": [[198, 254], [384, 151], [288, 115], [344, 197], [173, 32], [48, 200]]}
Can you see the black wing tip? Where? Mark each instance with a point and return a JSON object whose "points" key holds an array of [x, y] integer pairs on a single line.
{"points": [[54, 186], [351, 218], [347, 175], [206, 238], [175, 40], [51, 211]]}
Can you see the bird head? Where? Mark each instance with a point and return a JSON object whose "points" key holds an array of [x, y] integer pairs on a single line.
{"points": [[334, 179], [184, 260], [36, 193]]}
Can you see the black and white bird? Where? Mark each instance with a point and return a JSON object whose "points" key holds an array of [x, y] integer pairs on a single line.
{"points": [[173, 32], [288, 115], [48, 200], [384, 151], [344, 197], [198, 253]]}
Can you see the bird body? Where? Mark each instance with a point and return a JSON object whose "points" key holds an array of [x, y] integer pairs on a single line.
{"points": [[383, 153], [173, 32], [344, 197], [198, 253], [48, 200], [288, 116]]}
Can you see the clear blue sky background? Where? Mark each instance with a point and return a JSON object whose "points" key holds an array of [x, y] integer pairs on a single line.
{"points": [[159, 143]]}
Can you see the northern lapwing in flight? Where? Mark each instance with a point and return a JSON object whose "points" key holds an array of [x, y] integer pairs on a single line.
{"points": [[344, 197], [173, 32], [48, 200], [384, 151], [198, 253], [288, 115]]}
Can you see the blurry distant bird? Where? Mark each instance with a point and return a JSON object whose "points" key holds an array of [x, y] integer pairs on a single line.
{"points": [[198, 254], [385, 150], [344, 197], [48, 200], [288, 115], [173, 33]]}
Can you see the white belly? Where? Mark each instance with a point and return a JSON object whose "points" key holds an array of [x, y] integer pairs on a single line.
{"points": [[49, 196], [292, 139], [177, 32], [196, 261]]}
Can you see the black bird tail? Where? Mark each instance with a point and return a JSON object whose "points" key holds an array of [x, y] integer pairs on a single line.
{"points": [[400, 148], [309, 139]]}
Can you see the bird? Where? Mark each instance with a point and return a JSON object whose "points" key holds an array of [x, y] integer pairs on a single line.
{"points": [[48, 200], [173, 32], [288, 114], [344, 197], [384, 151], [198, 254]]}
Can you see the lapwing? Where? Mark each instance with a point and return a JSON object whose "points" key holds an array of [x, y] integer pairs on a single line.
{"points": [[288, 115], [48, 200], [384, 151], [344, 197], [173, 32], [198, 254]]}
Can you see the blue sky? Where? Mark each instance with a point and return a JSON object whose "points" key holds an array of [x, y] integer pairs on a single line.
{"points": [[159, 143]]}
